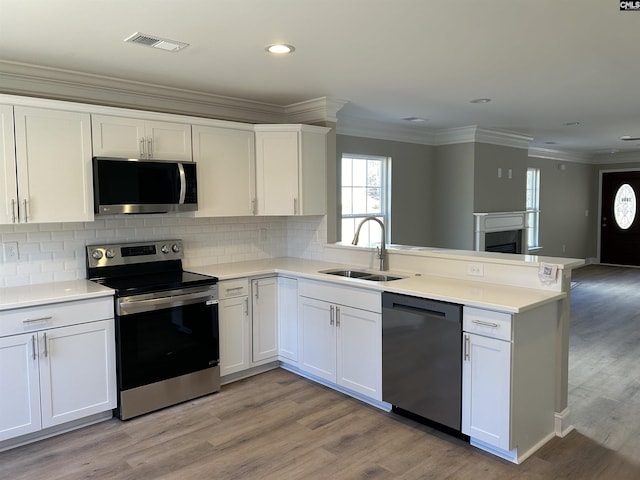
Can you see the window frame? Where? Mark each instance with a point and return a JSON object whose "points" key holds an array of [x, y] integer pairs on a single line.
{"points": [[533, 208], [385, 197]]}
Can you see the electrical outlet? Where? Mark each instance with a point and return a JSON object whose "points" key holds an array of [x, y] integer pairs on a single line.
{"points": [[10, 250], [475, 269]]}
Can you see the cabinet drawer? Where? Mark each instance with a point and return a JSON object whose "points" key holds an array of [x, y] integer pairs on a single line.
{"points": [[233, 288], [353, 297], [41, 317], [486, 322]]}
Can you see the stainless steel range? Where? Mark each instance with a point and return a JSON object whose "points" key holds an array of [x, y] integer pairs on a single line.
{"points": [[167, 348]]}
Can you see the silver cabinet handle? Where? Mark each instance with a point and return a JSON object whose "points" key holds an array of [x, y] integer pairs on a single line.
{"points": [[295, 206], [254, 204], [467, 345], [142, 147], [331, 314], [24, 202], [13, 210], [337, 316], [246, 308], [39, 319], [486, 324], [33, 345], [149, 148], [46, 350]]}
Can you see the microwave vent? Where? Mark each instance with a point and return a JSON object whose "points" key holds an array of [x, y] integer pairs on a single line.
{"points": [[156, 42]]}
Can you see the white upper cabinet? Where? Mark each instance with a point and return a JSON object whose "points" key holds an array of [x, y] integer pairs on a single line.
{"points": [[226, 170], [291, 169], [49, 178], [9, 181], [127, 137]]}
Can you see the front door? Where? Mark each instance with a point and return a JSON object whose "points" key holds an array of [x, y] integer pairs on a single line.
{"points": [[620, 225]]}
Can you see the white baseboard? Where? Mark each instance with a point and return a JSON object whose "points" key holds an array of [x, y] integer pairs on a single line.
{"points": [[563, 423]]}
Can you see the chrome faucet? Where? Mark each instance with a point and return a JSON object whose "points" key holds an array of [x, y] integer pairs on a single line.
{"points": [[382, 249]]}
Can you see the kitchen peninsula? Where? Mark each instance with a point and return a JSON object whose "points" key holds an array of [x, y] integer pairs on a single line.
{"points": [[530, 310]]}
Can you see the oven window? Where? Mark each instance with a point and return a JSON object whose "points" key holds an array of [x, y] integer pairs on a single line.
{"points": [[162, 344]]}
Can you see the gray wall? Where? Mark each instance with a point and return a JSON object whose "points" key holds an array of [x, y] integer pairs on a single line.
{"points": [[453, 188], [435, 191], [568, 208], [499, 194], [411, 192]]}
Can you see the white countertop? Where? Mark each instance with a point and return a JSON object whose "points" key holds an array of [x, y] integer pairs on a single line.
{"points": [[483, 295], [54, 292], [477, 294]]}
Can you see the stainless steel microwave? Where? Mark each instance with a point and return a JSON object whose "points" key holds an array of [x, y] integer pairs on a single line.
{"points": [[143, 186]]}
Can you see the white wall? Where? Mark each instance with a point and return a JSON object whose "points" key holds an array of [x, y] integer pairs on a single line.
{"points": [[55, 251]]}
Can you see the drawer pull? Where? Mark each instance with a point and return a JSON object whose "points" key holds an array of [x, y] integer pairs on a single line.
{"points": [[234, 289], [485, 324], [39, 319], [33, 345]]}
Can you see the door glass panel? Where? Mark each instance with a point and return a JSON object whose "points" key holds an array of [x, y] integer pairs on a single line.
{"points": [[624, 206]]}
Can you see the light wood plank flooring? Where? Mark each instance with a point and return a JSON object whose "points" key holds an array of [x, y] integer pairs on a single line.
{"points": [[280, 426]]}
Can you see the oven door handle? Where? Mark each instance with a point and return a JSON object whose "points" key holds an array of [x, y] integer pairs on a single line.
{"points": [[128, 307]]}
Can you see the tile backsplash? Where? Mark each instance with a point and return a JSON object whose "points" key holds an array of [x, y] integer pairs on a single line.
{"points": [[56, 251]]}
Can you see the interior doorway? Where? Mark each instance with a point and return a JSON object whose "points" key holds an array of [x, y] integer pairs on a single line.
{"points": [[620, 218]]}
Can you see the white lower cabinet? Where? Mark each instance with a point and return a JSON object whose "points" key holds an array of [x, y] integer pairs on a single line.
{"points": [[339, 342], [288, 320], [508, 379], [53, 374], [235, 331], [486, 374], [264, 319]]}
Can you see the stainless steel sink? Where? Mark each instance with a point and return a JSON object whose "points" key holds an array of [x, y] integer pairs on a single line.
{"points": [[373, 277]]}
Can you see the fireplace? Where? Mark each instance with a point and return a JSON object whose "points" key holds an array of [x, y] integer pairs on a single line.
{"points": [[504, 232]]}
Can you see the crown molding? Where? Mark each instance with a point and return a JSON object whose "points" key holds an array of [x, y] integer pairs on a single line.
{"points": [[321, 109], [620, 157], [562, 155], [52, 83], [359, 127]]}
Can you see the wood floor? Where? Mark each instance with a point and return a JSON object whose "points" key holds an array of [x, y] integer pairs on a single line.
{"points": [[280, 426]]}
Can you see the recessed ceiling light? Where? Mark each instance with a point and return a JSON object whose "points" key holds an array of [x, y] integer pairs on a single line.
{"points": [[280, 48], [629, 138], [415, 119], [480, 100], [551, 143], [571, 124]]}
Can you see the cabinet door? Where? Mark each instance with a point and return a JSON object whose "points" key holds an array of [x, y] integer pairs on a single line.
{"points": [[359, 351], [288, 319], [77, 374], [486, 390], [19, 387], [121, 137], [277, 173], [226, 166], [8, 182], [234, 334], [53, 153], [168, 141], [318, 338], [265, 318]]}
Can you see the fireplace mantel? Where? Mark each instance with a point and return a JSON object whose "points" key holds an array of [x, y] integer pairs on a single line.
{"points": [[488, 222]]}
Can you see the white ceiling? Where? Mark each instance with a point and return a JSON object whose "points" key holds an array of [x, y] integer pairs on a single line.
{"points": [[543, 63]]}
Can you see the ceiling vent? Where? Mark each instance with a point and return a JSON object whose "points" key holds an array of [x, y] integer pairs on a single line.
{"points": [[156, 42]]}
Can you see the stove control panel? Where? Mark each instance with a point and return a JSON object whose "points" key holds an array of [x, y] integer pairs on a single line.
{"points": [[128, 253]]}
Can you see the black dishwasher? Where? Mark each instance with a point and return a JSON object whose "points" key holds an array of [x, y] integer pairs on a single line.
{"points": [[422, 359]]}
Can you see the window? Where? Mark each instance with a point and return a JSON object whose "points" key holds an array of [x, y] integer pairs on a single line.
{"points": [[364, 191], [533, 207]]}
